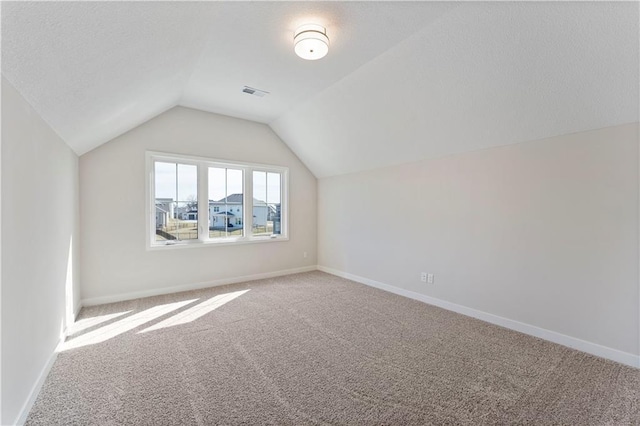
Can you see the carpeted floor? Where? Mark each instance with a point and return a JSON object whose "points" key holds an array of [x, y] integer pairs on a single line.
{"points": [[317, 349]]}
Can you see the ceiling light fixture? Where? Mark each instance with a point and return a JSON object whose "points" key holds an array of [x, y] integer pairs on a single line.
{"points": [[311, 42]]}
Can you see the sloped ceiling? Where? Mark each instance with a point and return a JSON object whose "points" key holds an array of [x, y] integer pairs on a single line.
{"points": [[482, 75], [402, 81], [94, 70]]}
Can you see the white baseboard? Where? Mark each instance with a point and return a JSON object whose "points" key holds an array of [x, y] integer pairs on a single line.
{"points": [[194, 286], [35, 389], [552, 336]]}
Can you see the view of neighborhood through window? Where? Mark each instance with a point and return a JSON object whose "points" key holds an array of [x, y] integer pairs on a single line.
{"points": [[176, 194], [233, 213], [266, 203], [225, 202]]}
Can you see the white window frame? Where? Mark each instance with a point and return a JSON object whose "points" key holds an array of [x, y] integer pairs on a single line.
{"points": [[203, 165]]}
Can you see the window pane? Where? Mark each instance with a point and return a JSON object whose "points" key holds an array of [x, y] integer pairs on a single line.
{"points": [[225, 202], [260, 216], [260, 187], [273, 188], [234, 181], [165, 180], [273, 200], [217, 184], [274, 223], [165, 208], [185, 226], [176, 219], [266, 204], [187, 183]]}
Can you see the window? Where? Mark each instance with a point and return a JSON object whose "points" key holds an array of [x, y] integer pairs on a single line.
{"points": [[243, 202], [266, 203], [225, 188], [176, 199]]}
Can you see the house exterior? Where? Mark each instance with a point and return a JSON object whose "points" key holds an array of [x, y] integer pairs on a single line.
{"points": [[227, 212], [189, 214], [164, 211], [186, 212], [224, 213]]}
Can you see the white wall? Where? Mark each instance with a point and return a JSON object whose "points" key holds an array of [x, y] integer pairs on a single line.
{"points": [[39, 270], [112, 192], [543, 232]]}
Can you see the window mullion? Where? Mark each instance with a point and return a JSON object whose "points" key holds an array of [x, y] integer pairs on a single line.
{"points": [[151, 187], [248, 202], [203, 202], [226, 202], [284, 203]]}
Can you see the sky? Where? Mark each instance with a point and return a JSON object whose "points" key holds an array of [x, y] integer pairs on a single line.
{"points": [[222, 182]]}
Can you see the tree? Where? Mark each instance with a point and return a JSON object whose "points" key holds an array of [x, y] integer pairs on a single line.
{"points": [[192, 203]]}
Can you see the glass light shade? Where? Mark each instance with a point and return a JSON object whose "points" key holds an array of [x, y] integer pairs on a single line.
{"points": [[311, 42]]}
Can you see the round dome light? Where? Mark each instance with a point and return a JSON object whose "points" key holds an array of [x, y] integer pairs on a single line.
{"points": [[311, 42]]}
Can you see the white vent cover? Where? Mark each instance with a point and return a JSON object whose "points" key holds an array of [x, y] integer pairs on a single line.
{"points": [[255, 92]]}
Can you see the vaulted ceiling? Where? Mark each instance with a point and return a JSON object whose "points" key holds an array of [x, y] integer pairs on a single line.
{"points": [[402, 81]]}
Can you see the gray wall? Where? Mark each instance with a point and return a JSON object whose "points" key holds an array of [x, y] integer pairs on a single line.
{"points": [[544, 232], [114, 259], [40, 288]]}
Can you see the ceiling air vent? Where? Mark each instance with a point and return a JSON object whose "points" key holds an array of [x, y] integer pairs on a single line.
{"points": [[255, 92]]}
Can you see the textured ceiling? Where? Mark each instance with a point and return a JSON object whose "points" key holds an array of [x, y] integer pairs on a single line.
{"points": [[402, 81], [255, 48], [483, 75], [94, 70]]}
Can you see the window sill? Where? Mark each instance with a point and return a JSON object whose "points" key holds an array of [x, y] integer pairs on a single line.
{"points": [[226, 242]]}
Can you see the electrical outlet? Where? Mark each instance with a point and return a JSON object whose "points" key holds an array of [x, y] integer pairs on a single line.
{"points": [[423, 277], [304, 254], [430, 278]]}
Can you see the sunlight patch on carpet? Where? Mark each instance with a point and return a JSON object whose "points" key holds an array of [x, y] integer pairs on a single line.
{"points": [[126, 324], [86, 323], [196, 311]]}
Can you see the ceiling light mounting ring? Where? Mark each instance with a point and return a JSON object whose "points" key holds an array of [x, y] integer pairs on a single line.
{"points": [[311, 42]]}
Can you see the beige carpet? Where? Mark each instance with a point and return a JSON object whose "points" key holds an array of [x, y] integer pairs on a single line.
{"points": [[316, 349]]}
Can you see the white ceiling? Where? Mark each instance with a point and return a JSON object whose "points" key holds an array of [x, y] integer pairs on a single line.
{"points": [[94, 70], [403, 80], [483, 75], [254, 47]]}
